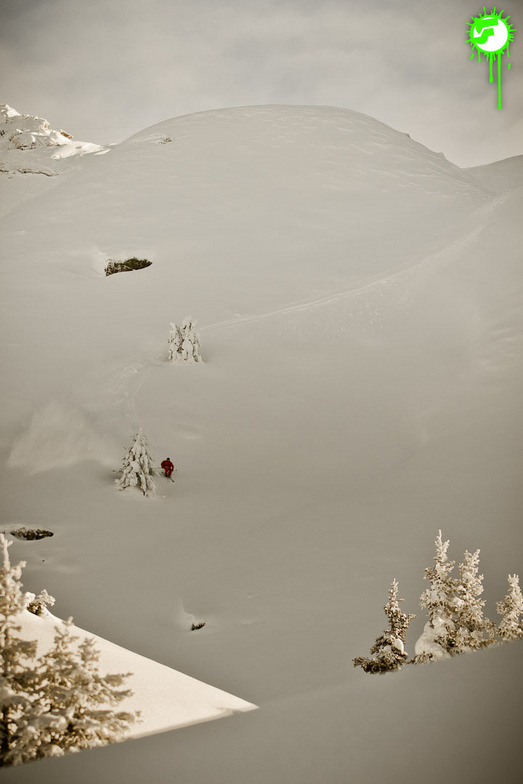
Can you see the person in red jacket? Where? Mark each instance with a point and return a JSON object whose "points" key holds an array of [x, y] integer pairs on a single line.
{"points": [[168, 467]]}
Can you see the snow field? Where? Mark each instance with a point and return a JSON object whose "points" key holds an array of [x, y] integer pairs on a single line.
{"points": [[360, 390]]}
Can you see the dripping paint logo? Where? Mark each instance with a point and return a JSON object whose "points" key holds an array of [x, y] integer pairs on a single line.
{"points": [[490, 35]]}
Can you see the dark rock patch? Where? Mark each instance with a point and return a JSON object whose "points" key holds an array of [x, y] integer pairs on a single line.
{"points": [[129, 265], [31, 533]]}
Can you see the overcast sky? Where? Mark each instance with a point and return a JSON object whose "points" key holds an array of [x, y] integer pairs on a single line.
{"points": [[105, 69]]}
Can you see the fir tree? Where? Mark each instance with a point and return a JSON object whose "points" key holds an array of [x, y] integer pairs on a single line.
{"points": [[17, 675], [175, 343], [23, 716], [511, 610], [439, 635], [59, 702], [184, 342], [389, 649], [72, 689], [137, 470], [473, 629]]}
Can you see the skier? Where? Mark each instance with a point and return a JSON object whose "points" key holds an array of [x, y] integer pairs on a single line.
{"points": [[168, 467]]}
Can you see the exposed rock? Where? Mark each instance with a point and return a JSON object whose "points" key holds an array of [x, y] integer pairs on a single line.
{"points": [[31, 533], [126, 266]]}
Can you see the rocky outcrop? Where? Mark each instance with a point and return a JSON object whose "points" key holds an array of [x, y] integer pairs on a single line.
{"points": [[28, 144]]}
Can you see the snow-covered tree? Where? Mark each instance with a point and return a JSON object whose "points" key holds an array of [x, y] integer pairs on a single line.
{"points": [[473, 629], [72, 705], [83, 701], [59, 702], [38, 604], [456, 622], [438, 638], [23, 716], [175, 343], [511, 610], [138, 470], [388, 652], [17, 674], [184, 342]]}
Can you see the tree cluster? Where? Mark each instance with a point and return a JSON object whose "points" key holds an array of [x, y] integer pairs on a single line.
{"points": [[456, 623], [57, 702]]}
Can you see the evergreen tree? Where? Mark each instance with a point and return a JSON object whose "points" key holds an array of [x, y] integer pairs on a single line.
{"points": [[138, 468], [389, 649], [72, 689], [473, 630], [72, 705], [17, 674], [439, 635], [23, 717], [175, 343], [511, 610], [59, 702], [184, 342]]}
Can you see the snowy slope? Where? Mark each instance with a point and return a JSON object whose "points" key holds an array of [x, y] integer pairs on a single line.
{"points": [[358, 298], [165, 698], [228, 201], [501, 176]]}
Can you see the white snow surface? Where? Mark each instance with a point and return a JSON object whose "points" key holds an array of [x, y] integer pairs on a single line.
{"points": [[501, 176], [166, 699], [358, 299]]}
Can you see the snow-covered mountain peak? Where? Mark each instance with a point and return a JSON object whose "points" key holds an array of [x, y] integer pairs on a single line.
{"points": [[26, 132], [40, 144]]}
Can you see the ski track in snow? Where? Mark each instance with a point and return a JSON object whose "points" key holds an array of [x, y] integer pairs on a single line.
{"points": [[446, 255], [124, 382], [340, 296], [119, 385], [111, 398]]}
